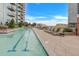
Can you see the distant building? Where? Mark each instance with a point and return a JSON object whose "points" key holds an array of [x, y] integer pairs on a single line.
{"points": [[50, 28], [41, 26], [60, 26], [10, 11]]}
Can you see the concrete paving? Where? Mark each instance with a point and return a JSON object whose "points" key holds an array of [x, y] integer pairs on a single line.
{"points": [[58, 45]]}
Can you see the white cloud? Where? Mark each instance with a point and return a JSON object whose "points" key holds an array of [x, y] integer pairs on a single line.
{"points": [[40, 17], [60, 17], [53, 21], [37, 3], [34, 17], [29, 17]]}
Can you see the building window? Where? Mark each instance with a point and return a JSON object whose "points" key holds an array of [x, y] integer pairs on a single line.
{"points": [[78, 7], [72, 24]]}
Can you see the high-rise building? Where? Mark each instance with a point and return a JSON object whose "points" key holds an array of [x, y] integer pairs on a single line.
{"points": [[9, 11], [77, 27], [73, 19], [20, 12], [72, 15]]}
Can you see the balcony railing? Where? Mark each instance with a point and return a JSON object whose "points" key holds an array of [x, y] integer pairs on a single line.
{"points": [[19, 7], [11, 8], [11, 14], [22, 14], [20, 4], [19, 10], [19, 17]]}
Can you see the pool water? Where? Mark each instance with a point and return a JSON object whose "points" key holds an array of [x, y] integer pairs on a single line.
{"points": [[22, 42]]}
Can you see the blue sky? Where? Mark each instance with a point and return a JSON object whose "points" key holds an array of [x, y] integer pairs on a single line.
{"points": [[47, 13]]}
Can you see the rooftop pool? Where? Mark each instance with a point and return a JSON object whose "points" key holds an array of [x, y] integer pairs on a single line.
{"points": [[22, 42]]}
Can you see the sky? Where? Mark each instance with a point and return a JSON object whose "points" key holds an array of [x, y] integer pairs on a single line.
{"points": [[47, 13]]}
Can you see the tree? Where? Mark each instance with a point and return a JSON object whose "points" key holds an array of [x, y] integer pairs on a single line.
{"points": [[12, 24], [1, 23], [26, 24], [53, 29], [7, 23], [67, 30], [58, 29], [34, 24], [20, 24]]}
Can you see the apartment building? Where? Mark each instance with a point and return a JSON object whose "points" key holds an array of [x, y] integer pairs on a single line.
{"points": [[72, 15], [77, 27], [9, 11], [20, 12]]}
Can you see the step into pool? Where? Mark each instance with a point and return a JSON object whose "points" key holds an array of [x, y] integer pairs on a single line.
{"points": [[22, 42]]}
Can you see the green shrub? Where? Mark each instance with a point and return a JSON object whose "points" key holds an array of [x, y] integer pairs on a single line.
{"points": [[11, 24], [20, 24], [1, 23], [34, 24], [58, 29], [53, 29], [7, 23], [67, 30], [26, 24]]}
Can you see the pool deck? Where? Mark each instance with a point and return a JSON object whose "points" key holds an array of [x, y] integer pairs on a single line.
{"points": [[5, 31], [58, 45]]}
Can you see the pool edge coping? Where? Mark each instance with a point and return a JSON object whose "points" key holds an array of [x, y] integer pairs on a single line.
{"points": [[41, 41]]}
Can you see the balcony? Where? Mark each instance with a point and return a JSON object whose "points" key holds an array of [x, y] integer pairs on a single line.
{"points": [[22, 14], [10, 8], [19, 10], [22, 17], [12, 3], [11, 14], [20, 4], [19, 17]]}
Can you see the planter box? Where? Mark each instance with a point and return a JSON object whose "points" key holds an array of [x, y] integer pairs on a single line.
{"points": [[69, 33]]}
